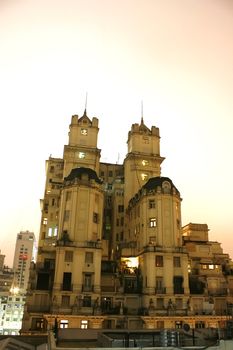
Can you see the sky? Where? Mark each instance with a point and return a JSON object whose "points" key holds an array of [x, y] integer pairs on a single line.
{"points": [[174, 55]]}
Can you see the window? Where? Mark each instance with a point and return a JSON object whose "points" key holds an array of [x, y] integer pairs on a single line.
{"points": [[110, 173], [68, 195], [159, 285], [87, 301], [120, 208], [84, 324], [52, 169], [65, 300], [95, 217], [151, 203], [178, 285], [153, 222], [122, 221], [89, 257], [66, 281], [176, 261], [160, 303], [45, 221], [64, 324], [53, 201], [68, 256], [159, 261], [87, 282]]}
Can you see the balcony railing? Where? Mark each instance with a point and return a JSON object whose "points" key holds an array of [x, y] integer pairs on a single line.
{"points": [[218, 292], [161, 290], [38, 308], [153, 248], [87, 288]]}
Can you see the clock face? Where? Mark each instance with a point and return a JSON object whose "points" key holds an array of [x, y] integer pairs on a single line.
{"points": [[84, 132], [145, 162], [80, 155]]}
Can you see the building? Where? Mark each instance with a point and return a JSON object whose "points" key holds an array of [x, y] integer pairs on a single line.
{"points": [[16, 294], [24, 253], [6, 279], [112, 250]]}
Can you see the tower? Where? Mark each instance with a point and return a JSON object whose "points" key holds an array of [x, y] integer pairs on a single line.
{"points": [[82, 146], [143, 159]]}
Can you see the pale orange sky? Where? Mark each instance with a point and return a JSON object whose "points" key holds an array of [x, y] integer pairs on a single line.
{"points": [[176, 56]]}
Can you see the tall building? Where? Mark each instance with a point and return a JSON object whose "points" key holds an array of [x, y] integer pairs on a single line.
{"points": [[24, 254], [112, 250], [6, 279]]}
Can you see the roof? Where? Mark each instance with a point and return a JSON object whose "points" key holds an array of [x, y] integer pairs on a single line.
{"points": [[78, 172], [158, 181]]}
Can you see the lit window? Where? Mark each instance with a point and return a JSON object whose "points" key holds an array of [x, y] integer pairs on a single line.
{"points": [[81, 155], [64, 323], [159, 261], [50, 232], [144, 176], [45, 221], [84, 324], [153, 222]]}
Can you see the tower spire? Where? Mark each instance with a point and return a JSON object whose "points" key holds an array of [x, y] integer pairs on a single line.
{"points": [[142, 121], [85, 110]]}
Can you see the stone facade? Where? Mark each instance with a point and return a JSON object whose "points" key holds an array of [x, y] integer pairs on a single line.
{"points": [[112, 251]]}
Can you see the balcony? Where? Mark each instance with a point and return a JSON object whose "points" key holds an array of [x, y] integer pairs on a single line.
{"points": [[108, 289], [38, 308], [161, 290], [153, 248], [87, 288], [218, 292]]}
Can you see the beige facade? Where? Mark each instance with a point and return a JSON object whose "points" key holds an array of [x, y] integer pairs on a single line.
{"points": [[112, 250]]}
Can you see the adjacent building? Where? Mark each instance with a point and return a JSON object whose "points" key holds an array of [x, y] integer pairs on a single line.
{"points": [[112, 251], [17, 286]]}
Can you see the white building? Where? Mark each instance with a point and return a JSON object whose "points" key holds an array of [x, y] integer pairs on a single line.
{"points": [[24, 254]]}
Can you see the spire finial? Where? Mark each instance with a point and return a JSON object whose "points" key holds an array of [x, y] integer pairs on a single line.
{"points": [[85, 110], [142, 121]]}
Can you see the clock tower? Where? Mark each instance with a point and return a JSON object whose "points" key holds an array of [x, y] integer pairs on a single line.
{"points": [[143, 159], [82, 150]]}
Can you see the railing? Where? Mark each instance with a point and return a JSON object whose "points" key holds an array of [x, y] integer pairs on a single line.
{"points": [[85, 244], [160, 290], [38, 308], [108, 289], [218, 292], [87, 288], [153, 248]]}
